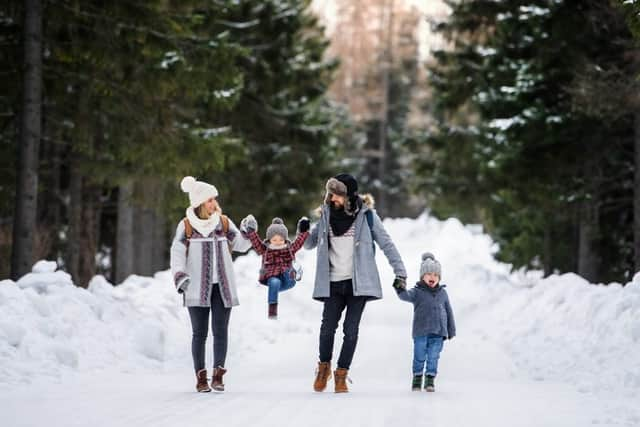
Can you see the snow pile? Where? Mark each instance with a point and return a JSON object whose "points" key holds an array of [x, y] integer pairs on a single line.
{"points": [[563, 328], [49, 327]]}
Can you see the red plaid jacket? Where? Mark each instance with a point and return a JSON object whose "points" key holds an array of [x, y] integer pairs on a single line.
{"points": [[275, 261]]}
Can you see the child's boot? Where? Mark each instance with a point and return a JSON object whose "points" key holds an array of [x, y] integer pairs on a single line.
{"points": [[273, 311], [430, 383], [201, 384], [416, 384]]}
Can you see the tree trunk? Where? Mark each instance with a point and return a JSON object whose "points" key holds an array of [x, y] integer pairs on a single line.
{"points": [[124, 257], [588, 231], [384, 109], [89, 234], [547, 255], [145, 228], [75, 220], [636, 195], [160, 243], [24, 220]]}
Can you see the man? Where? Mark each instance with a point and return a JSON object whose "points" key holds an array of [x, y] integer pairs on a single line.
{"points": [[346, 273]]}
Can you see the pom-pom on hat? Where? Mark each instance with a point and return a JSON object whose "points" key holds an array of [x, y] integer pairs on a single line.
{"points": [[430, 265], [277, 227], [199, 191]]}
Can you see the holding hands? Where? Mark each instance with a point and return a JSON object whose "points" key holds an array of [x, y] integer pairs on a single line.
{"points": [[400, 283], [303, 224], [249, 224]]}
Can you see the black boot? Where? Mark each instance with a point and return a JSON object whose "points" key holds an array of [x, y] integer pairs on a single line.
{"points": [[416, 384], [429, 384]]}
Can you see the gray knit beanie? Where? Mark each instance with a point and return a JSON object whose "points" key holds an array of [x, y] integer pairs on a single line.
{"points": [[429, 265], [277, 227]]}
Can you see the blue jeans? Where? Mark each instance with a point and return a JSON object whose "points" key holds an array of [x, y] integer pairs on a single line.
{"points": [[427, 348], [280, 283]]}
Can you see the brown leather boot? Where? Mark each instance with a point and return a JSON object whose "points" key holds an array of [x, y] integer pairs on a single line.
{"points": [[216, 378], [201, 384], [273, 311], [340, 376], [323, 373]]}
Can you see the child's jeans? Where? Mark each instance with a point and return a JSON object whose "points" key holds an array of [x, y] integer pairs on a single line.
{"points": [[279, 283], [427, 348]]}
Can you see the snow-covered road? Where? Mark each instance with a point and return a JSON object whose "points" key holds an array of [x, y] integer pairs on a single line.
{"points": [[507, 367]]}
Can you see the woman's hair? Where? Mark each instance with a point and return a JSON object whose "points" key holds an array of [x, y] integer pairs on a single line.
{"points": [[201, 212]]}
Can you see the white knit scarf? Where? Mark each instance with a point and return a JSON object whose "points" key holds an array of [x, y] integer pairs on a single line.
{"points": [[203, 226]]}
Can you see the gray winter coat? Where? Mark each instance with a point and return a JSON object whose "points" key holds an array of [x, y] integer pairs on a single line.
{"points": [[366, 280], [432, 312]]}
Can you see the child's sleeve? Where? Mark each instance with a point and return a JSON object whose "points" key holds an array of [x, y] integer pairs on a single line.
{"points": [[239, 243], [300, 239], [257, 244], [178, 257], [406, 295], [451, 323]]}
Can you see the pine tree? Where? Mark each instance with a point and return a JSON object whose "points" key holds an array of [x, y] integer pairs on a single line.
{"points": [[538, 168], [282, 117]]}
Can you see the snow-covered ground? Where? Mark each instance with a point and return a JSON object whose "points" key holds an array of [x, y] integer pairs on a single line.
{"points": [[529, 352]]}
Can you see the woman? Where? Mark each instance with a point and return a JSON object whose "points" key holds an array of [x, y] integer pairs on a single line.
{"points": [[202, 269]]}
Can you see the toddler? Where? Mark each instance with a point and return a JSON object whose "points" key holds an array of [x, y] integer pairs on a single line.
{"points": [[278, 254], [432, 321]]}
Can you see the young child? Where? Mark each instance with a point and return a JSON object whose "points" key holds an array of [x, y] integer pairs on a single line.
{"points": [[432, 320], [277, 255]]}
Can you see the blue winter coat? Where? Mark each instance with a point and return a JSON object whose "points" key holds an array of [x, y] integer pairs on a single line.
{"points": [[432, 313]]}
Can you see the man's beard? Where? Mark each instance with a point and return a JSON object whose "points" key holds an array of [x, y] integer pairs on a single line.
{"points": [[336, 205]]}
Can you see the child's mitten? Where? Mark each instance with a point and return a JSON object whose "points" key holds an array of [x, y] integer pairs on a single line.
{"points": [[303, 224], [400, 283], [249, 223]]}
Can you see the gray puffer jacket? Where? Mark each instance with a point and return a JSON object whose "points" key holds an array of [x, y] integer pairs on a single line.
{"points": [[432, 313], [366, 280]]}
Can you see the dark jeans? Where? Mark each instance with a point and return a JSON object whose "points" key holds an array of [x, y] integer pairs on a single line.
{"points": [[219, 326], [341, 297]]}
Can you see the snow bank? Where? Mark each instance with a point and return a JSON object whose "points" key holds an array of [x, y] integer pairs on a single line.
{"points": [[49, 327]]}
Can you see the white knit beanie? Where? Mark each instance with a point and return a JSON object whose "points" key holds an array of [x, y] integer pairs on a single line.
{"points": [[199, 192], [430, 265]]}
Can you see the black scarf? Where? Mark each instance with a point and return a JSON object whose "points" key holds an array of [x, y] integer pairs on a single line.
{"points": [[340, 220]]}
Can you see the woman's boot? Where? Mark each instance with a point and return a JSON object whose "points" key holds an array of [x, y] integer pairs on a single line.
{"points": [[201, 384], [216, 378], [323, 373]]}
